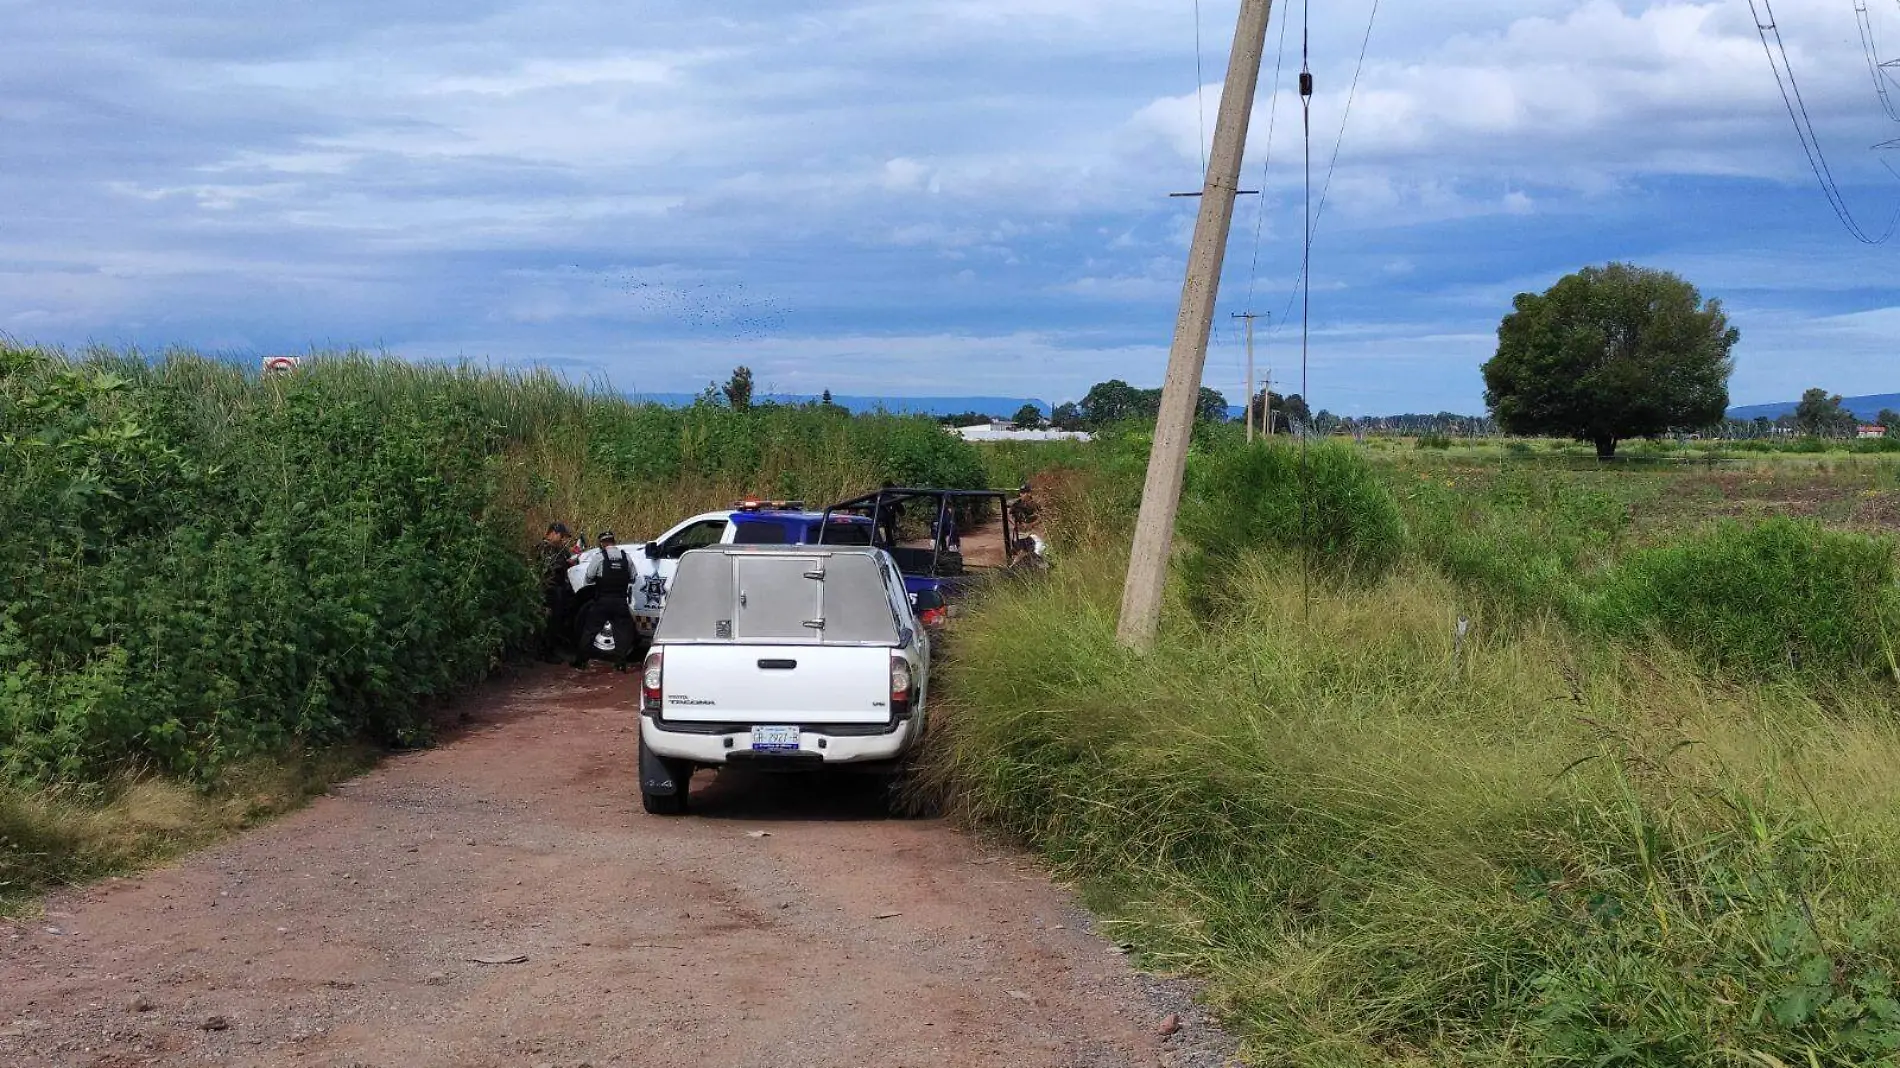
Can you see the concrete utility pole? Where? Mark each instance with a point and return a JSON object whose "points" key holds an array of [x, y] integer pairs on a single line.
{"points": [[1250, 317], [1181, 390]]}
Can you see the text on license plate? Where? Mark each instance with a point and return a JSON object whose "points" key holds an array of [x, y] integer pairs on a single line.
{"points": [[775, 739]]}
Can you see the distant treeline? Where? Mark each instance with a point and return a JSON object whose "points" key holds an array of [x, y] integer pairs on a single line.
{"points": [[1820, 415]]}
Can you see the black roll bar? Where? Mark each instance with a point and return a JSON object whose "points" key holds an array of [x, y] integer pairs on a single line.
{"points": [[877, 501]]}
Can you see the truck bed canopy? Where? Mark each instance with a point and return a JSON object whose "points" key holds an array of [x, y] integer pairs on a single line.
{"points": [[794, 595]]}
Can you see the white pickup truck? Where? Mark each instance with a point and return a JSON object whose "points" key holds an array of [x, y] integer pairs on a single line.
{"points": [[746, 523], [781, 657]]}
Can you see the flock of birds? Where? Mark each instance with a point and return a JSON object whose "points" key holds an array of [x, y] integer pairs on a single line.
{"points": [[727, 309]]}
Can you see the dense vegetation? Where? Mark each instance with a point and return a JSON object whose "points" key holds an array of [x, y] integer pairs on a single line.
{"points": [[1639, 810], [1460, 755], [205, 570]]}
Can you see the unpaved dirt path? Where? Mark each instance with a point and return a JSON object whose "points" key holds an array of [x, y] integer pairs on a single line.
{"points": [[343, 935]]}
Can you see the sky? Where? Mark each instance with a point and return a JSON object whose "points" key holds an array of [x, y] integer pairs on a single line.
{"points": [[928, 197]]}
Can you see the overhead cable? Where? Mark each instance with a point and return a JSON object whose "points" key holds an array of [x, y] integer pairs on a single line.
{"points": [[1777, 51]]}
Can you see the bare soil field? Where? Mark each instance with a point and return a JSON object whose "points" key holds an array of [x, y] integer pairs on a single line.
{"points": [[501, 900]]}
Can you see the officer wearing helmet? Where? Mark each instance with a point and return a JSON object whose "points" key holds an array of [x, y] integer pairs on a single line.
{"points": [[611, 576]]}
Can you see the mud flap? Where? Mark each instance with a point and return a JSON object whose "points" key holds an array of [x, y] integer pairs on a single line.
{"points": [[655, 777]]}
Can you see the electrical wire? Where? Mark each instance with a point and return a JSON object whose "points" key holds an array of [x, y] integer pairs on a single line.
{"points": [[1306, 306], [1804, 124], [1266, 168], [1200, 104], [1352, 92], [1266, 163], [1870, 47]]}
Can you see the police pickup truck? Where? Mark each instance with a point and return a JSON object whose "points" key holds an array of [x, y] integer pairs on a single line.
{"points": [[748, 522]]}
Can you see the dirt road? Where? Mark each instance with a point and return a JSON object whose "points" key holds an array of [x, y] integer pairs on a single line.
{"points": [[786, 923]]}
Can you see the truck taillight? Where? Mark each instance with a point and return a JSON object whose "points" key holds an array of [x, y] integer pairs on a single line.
{"points": [[651, 676], [900, 686]]}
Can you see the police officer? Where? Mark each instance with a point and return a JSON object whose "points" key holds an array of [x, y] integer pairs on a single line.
{"points": [[554, 557], [611, 576]]}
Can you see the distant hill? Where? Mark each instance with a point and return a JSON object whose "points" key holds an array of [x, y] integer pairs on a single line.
{"points": [[1867, 408], [1000, 407]]}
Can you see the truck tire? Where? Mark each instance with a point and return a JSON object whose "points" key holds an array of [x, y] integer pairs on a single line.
{"points": [[663, 804], [906, 797], [681, 775]]}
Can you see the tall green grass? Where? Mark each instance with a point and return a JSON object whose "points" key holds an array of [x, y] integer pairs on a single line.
{"points": [[1384, 846], [1588, 831], [203, 569]]}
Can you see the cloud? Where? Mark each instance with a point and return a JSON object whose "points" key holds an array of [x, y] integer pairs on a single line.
{"points": [[892, 193]]}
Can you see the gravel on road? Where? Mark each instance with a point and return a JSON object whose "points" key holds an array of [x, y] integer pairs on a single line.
{"points": [[500, 899]]}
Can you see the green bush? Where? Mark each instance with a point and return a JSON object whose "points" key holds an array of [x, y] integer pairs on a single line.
{"points": [[202, 565], [1784, 595], [1433, 441], [1325, 501]]}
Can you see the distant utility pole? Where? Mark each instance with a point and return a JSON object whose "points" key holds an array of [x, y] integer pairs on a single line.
{"points": [[1266, 404], [1181, 390], [1250, 317]]}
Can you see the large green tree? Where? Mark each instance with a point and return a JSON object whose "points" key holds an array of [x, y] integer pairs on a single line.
{"points": [[1611, 353], [1115, 400], [1823, 415], [1028, 417]]}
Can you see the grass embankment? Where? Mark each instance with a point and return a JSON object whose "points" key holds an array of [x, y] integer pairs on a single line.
{"points": [[1567, 839], [207, 575]]}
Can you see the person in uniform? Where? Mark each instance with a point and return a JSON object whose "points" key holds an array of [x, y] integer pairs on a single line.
{"points": [[553, 557], [1023, 508], [611, 576]]}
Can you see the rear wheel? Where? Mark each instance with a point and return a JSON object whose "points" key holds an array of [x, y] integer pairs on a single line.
{"points": [[907, 795], [664, 804], [678, 772]]}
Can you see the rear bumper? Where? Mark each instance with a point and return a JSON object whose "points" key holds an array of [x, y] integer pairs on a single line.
{"points": [[734, 746]]}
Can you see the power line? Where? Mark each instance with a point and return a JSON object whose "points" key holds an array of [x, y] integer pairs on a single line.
{"points": [[1797, 109], [1870, 46], [1345, 116], [1306, 289], [1266, 164], [1260, 214], [1200, 105]]}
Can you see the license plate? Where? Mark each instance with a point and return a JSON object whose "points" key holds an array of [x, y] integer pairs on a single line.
{"points": [[775, 739]]}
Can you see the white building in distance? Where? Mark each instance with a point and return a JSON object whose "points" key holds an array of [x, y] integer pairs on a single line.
{"points": [[999, 430]]}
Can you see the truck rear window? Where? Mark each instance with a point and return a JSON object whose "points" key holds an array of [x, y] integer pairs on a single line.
{"points": [[759, 533], [844, 533]]}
